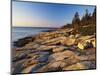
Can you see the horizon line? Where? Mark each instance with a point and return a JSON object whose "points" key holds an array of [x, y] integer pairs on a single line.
{"points": [[35, 27]]}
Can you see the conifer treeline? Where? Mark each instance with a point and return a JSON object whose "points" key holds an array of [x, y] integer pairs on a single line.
{"points": [[87, 19], [78, 24]]}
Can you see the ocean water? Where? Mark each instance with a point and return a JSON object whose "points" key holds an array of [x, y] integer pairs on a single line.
{"points": [[21, 32]]}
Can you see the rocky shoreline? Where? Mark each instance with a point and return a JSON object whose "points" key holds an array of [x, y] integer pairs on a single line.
{"points": [[58, 50]]}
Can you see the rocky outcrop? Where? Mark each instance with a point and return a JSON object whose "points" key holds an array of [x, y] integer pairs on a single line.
{"points": [[23, 41], [68, 41], [86, 43], [58, 50], [61, 55], [77, 66], [94, 43]]}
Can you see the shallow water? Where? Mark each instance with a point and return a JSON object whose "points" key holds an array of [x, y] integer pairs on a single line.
{"points": [[21, 32]]}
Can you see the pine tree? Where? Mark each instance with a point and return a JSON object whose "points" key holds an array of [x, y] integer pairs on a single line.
{"points": [[86, 18], [83, 21], [94, 16], [76, 23], [86, 14]]}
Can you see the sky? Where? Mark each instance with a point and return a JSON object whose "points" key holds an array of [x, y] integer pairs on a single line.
{"points": [[33, 14]]}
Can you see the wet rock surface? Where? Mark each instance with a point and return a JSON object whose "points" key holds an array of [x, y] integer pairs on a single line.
{"points": [[54, 51]]}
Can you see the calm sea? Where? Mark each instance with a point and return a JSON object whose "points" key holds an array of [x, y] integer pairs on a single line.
{"points": [[20, 32]]}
